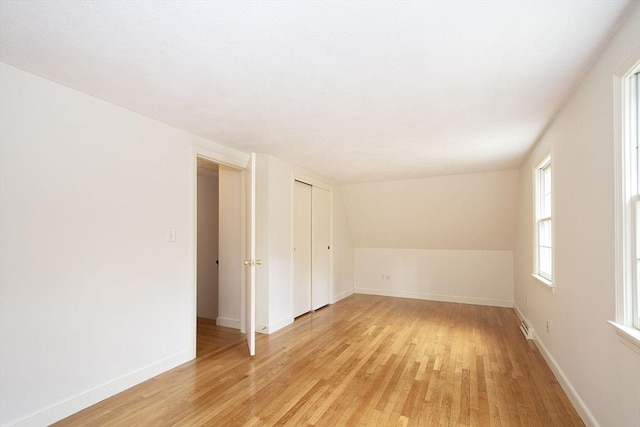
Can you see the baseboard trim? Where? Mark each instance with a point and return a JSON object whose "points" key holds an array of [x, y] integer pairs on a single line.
{"points": [[572, 394], [434, 297], [227, 322], [82, 401], [525, 325], [518, 312], [276, 326], [342, 295]]}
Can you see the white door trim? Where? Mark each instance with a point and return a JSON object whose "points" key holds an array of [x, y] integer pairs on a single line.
{"points": [[222, 159]]}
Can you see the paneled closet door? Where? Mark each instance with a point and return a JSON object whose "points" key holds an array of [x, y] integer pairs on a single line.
{"points": [[301, 248], [320, 252]]}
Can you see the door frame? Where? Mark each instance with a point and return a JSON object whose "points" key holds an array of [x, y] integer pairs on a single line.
{"points": [[238, 163], [305, 179]]}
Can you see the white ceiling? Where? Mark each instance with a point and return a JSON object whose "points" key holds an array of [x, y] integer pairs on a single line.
{"points": [[355, 91]]}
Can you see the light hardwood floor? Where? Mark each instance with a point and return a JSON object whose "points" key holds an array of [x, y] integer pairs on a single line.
{"points": [[366, 360]]}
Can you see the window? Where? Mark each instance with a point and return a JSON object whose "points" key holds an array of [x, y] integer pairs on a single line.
{"points": [[631, 201], [627, 131], [543, 258], [634, 141]]}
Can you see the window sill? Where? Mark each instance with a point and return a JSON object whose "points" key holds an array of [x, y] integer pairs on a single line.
{"points": [[629, 336], [544, 281]]}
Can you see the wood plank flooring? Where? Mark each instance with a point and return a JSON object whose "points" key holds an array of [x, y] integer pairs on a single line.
{"points": [[367, 360]]}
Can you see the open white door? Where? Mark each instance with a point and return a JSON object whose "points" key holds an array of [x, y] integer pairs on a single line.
{"points": [[250, 260]]}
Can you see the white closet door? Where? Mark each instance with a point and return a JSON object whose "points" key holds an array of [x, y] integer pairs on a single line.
{"points": [[301, 248], [320, 237]]}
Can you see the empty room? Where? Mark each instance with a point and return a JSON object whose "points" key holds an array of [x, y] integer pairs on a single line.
{"points": [[330, 213]]}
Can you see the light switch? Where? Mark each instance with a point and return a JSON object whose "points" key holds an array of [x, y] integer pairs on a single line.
{"points": [[171, 235]]}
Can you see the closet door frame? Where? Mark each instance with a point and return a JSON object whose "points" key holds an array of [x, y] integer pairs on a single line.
{"points": [[314, 183]]}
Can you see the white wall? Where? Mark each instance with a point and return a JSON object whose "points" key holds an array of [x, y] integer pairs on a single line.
{"points": [[472, 211], [207, 272], [599, 372], [467, 276], [342, 249], [93, 298], [230, 247], [448, 238], [280, 243]]}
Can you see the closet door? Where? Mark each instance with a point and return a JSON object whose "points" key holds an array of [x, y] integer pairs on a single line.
{"points": [[301, 248], [320, 250]]}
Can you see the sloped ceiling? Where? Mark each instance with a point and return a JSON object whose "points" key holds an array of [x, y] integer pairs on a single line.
{"points": [[354, 91]]}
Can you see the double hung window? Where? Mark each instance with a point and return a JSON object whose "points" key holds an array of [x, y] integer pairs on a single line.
{"points": [[627, 155], [544, 242], [631, 194]]}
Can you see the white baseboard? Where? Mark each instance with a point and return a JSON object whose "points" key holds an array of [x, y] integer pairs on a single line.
{"points": [[75, 404], [228, 323], [527, 331], [518, 312], [433, 297], [574, 397], [276, 326], [342, 295]]}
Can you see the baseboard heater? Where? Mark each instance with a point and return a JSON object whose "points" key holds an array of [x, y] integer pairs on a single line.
{"points": [[527, 331]]}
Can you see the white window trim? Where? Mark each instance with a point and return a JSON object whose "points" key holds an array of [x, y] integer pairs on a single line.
{"points": [[629, 336], [543, 280], [623, 168], [546, 281]]}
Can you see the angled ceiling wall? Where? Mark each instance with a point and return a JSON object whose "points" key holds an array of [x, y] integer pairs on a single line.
{"points": [[472, 211]]}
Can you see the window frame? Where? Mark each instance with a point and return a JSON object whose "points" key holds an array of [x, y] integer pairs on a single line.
{"points": [[627, 199], [542, 189]]}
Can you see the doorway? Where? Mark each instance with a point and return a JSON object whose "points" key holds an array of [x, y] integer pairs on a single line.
{"points": [[207, 240], [219, 246]]}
